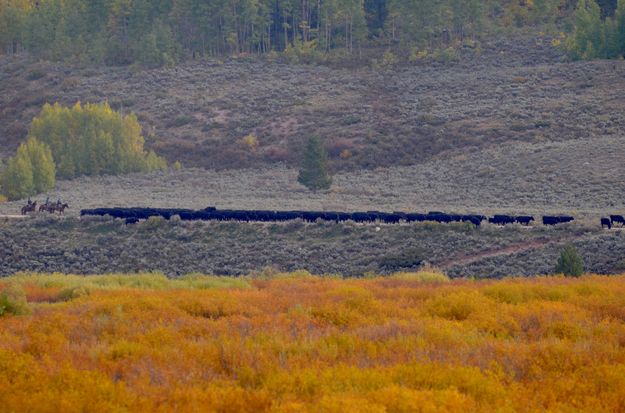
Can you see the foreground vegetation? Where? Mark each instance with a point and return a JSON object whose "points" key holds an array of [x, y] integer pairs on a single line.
{"points": [[294, 342]]}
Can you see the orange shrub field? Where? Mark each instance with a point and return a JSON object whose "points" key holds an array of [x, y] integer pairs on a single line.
{"points": [[298, 343]]}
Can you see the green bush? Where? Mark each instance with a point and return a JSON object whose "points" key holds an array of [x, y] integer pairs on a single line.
{"points": [[313, 173], [570, 263], [13, 301]]}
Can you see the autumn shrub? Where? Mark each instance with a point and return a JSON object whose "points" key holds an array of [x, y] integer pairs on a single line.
{"points": [[303, 343], [153, 223], [13, 301], [250, 141], [73, 286], [424, 276]]}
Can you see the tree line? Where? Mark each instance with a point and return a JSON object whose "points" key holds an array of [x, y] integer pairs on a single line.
{"points": [[156, 32]]}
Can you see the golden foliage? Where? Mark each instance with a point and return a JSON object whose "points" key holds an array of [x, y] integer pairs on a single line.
{"points": [[250, 142], [405, 343]]}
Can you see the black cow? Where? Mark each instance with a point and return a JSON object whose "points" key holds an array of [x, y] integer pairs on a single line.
{"points": [[415, 217], [361, 217], [606, 222], [555, 220], [617, 219], [391, 218], [344, 216], [524, 219], [438, 217], [474, 219], [502, 220]]}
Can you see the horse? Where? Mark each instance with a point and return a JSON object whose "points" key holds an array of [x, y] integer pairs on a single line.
{"points": [[29, 208], [52, 208], [61, 208]]}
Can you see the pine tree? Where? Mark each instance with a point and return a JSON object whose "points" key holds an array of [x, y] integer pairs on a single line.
{"points": [[570, 263], [313, 173]]}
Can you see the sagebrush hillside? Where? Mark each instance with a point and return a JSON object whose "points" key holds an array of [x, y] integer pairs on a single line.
{"points": [[507, 90]]}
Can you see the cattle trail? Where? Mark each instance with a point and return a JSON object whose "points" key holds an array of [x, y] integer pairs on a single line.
{"points": [[463, 260], [12, 217]]}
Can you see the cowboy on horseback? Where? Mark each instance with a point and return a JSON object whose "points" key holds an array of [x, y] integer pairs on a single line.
{"points": [[29, 208]]}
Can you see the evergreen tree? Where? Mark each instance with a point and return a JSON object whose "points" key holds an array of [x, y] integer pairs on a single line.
{"points": [[313, 173], [570, 263]]}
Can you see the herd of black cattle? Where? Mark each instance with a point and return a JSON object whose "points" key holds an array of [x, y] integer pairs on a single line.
{"points": [[133, 215]]}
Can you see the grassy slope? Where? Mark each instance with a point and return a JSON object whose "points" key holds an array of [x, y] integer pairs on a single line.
{"points": [[414, 342]]}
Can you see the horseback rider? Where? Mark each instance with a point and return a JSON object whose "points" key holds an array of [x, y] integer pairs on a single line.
{"points": [[47, 201], [29, 202]]}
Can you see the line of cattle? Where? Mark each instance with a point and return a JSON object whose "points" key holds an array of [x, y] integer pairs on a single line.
{"points": [[133, 215]]}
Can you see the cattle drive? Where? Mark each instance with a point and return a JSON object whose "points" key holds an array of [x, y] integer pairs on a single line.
{"points": [[134, 215], [50, 207]]}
